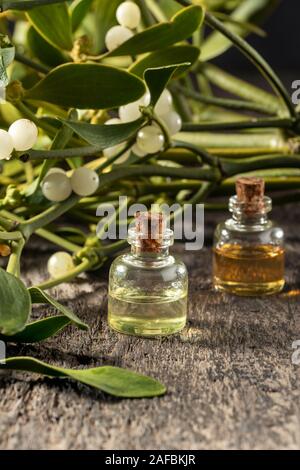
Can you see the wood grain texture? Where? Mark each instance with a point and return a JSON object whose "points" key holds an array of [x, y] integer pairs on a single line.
{"points": [[231, 382]]}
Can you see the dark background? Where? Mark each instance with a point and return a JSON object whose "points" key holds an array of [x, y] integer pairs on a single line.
{"points": [[281, 48]]}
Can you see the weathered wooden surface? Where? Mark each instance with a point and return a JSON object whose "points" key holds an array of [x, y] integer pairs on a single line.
{"points": [[231, 382]]}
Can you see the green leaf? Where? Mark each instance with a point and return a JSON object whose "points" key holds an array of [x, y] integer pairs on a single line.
{"points": [[105, 15], [169, 7], [24, 4], [7, 55], [158, 78], [53, 22], [79, 9], [42, 50], [162, 35], [40, 297], [112, 380], [166, 57], [39, 330], [104, 136], [15, 305], [88, 86], [216, 44]]}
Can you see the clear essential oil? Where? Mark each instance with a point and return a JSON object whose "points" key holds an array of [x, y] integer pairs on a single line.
{"points": [[148, 288], [249, 255]]}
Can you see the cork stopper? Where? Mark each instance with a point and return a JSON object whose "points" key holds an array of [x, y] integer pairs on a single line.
{"points": [[150, 228], [251, 193]]}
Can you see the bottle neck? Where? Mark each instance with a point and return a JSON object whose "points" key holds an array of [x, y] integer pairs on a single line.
{"points": [[159, 255], [251, 220], [150, 250], [247, 218]]}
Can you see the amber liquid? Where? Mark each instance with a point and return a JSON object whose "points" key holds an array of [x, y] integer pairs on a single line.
{"points": [[249, 270]]}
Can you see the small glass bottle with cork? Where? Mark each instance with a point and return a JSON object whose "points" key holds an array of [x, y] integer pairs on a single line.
{"points": [[148, 287], [249, 255]]}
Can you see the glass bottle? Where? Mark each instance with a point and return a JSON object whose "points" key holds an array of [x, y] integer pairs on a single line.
{"points": [[249, 255], [148, 287]]}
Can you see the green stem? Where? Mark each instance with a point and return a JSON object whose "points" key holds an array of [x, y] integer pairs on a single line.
{"points": [[7, 236], [112, 248], [57, 240], [204, 174], [156, 11], [223, 102], [7, 223], [13, 266], [251, 124], [83, 266], [284, 180], [182, 105], [31, 63], [231, 167], [200, 196], [256, 59], [60, 141], [241, 88], [52, 213], [234, 144], [146, 15], [245, 25], [112, 219], [163, 127], [87, 151], [205, 156]]}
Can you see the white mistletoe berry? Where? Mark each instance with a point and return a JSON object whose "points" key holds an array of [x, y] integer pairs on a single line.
{"points": [[56, 187], [173, 122], [116, 36], [150, 139], [6, 145], [164, 104], [84, 181], [24, 134], [137, 151], [129, 15], [60, 264], [131, 112]]}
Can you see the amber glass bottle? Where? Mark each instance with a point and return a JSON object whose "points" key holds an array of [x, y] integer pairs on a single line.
{"points": [[249, 255]]}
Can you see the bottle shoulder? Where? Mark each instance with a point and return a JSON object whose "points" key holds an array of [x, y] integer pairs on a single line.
{"points": [[139, 263], [127, 267], [267, 233]]}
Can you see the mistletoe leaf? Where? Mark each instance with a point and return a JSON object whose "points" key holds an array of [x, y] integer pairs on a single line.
{"points": [[53, 23], [158, 78], [24, 4], [103, 136], [163, 35], [15, 305], [79, 9], [43, 50], [7, 55], [216, 44], [112, 380], [39, 330], [105, 14], [88, 86], [167, 57], [40, 297]]}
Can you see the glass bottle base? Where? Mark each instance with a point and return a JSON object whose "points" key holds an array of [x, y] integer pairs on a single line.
{"points": [[146, 329], [249, 290]]}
